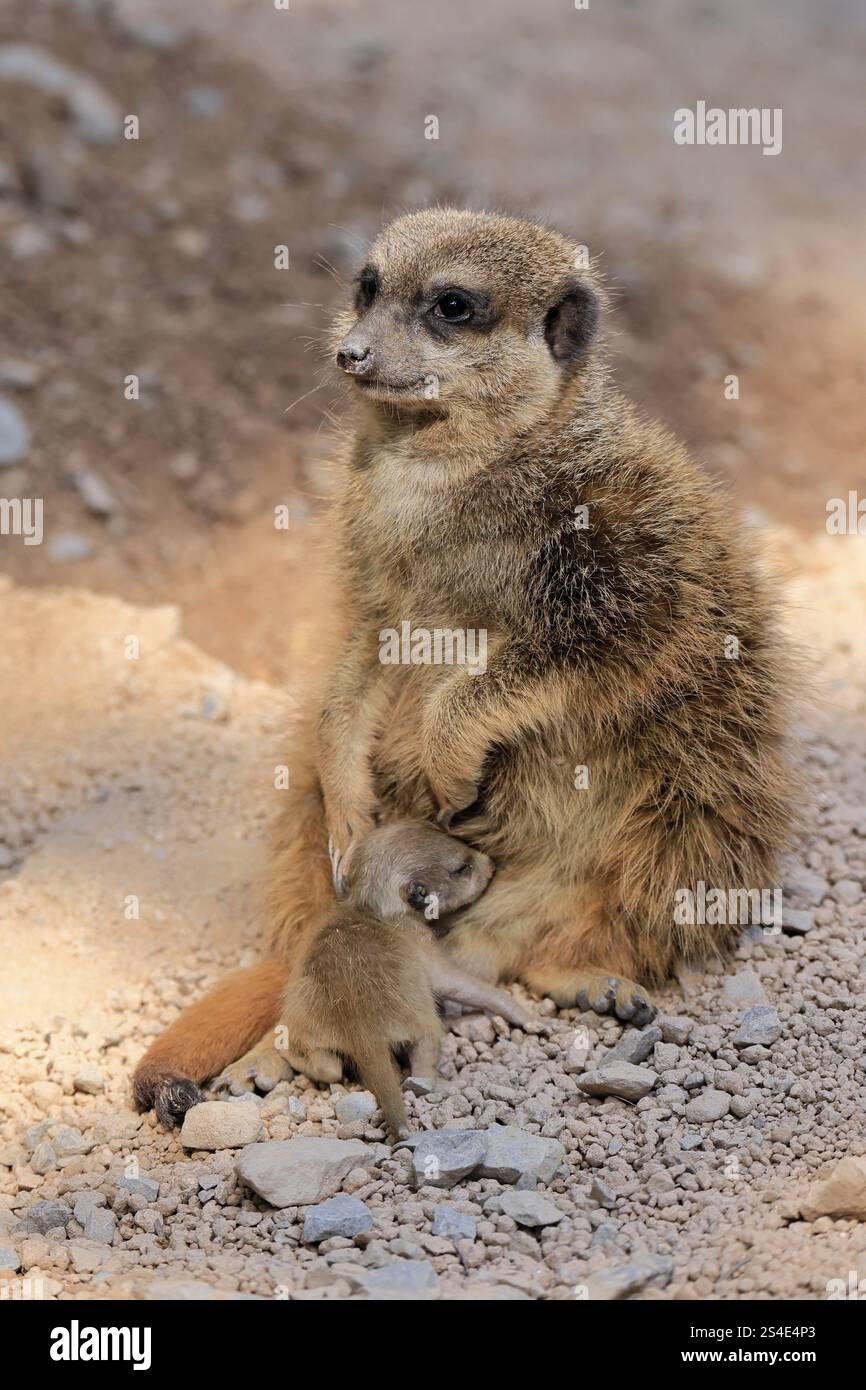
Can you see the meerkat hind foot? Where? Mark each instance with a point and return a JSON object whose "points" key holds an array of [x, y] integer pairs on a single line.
{"points": [[598, 991]]}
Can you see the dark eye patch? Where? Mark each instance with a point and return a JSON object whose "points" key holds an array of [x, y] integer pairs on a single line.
{"points": [[462, 869], [450, 308], [366, 287]]}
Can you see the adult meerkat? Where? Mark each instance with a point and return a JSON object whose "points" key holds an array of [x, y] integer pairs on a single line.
{"points": [[499, 482], [373, 973]]}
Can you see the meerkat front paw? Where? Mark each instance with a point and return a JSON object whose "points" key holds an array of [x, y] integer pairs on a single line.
{"points": [[345, 830], [254, 1072]]}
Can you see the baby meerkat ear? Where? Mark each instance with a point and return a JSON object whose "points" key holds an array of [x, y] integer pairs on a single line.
{"points": [[415, 894], [570, 325]]}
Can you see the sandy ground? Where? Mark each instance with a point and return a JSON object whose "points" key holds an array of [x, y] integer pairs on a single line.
{"points": [[136, 784]]}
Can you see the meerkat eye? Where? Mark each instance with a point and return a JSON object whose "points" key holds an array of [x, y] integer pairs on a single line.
{"points": [[463, 869], [453, 307], [367, 287]]}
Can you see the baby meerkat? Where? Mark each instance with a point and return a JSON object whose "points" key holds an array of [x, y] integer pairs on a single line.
{"points": [[373, 974]]}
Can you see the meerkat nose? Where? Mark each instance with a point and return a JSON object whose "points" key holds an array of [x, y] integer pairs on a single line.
{"points": [[355, 357]]}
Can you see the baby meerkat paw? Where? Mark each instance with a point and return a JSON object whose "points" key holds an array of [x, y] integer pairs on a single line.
{"points": [[604, 994]]}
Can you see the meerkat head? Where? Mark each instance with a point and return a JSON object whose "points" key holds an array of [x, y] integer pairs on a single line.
{"points": [[461, 310], [415, 865]]}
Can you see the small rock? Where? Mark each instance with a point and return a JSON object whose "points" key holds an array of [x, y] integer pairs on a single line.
{"points": [[9, 1258], [95, 494], [398, 1280], [92, 109], [44, 1158], [744, 989], [625, 1280], [710, 1105], [622, 1079], [100, 1226], [759, 1027], [300, 1171], [634, 1046], [14, 434], [529, 1208], [806, 883], [67, 546], [69, 1143], [357, 1105], [675, 1030], [29, 240], [797, 922], [842, 1194], [847, 891], [19, 374], [140, 1186], [419, 1085], [45, 1216], [453, 1224], [86, 1203], [340, 1216], [220, 1124], [445, 1156], [604, 1195], [89, 1080], [512, 1154]]}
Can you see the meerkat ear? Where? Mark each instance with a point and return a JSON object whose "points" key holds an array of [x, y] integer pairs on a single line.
{"points": [[570, 325], [415, 894]]}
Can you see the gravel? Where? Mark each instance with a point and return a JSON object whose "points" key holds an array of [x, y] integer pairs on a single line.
{"points": [[618, 1078], [300, 1171], [221, 1124], [342, 1216]]}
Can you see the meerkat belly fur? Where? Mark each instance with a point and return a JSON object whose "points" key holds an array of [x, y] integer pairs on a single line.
{"points": [[626, 739], [373, 975]]}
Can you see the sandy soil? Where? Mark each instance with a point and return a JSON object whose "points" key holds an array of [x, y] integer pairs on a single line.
{"points": [[135, 790]]}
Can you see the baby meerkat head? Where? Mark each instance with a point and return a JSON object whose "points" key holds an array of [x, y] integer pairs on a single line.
{"points": [[461, 309], [413, 864]]}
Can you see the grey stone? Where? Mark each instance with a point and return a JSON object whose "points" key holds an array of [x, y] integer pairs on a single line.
{"points": [[453, 1224], [141, 1186], [93, 110], [796, 921], [529, 1208], [634, 1046], [85, 1204], [47, 1216], [691, 1141], [44, 1158], [512, 1154], [340, 1216], [625, 1280], [675, 1030], [220, 1124], [300, 1171], [400, 1280], [617, 1078], [759, 1027], [357, 1105], [710, 1105], [14, 434], [67, 546], [847, 891], [604, 1195], [805, 882], [419, 1085], [9, 1258], [95, 493], [443, 1157], [744, 989], [100, 1226], [71, 1143]]}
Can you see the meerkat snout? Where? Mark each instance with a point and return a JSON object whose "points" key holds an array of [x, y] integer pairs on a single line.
{"points": [[355, 356]]}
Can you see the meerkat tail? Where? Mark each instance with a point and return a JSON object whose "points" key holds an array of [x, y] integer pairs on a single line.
{"points": [[207, 1036], [378, 1072]]}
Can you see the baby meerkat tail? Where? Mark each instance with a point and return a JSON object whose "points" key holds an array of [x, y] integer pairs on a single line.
{"points": [[378, 1072]]}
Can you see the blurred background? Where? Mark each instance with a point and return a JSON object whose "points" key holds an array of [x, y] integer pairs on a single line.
{"points": [[305, 127]]}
